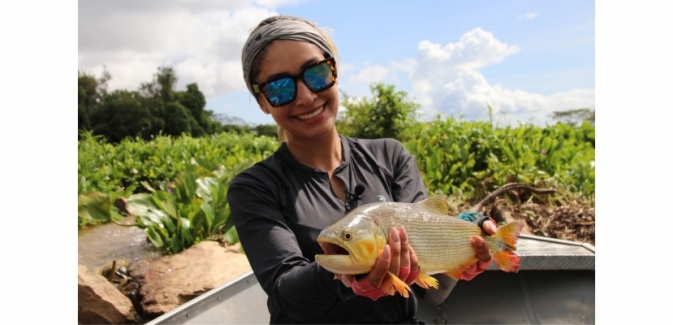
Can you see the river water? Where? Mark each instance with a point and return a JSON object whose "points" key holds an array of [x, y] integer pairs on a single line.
{"points": [[104, 243]]}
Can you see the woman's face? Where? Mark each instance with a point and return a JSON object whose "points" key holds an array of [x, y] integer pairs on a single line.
{"points": [[310, 115]]}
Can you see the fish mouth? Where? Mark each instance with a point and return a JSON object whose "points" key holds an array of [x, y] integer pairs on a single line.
{"points": [[329, 248], [338, 259]]}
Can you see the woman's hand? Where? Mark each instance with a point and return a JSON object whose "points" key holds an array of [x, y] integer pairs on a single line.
{"points": [[483, 252], [397, 258]]}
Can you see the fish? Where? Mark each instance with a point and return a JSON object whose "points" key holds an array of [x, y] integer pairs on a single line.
{"points": [[441, 242]]}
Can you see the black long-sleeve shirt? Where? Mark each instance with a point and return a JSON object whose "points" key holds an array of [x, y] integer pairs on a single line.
{"points": [[279, 207]]}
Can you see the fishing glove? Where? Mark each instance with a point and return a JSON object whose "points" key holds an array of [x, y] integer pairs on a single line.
{"points": [[363, 287], [475, 270], [480, 266]]}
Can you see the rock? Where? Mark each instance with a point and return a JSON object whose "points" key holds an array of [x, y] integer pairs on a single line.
{"points": [[171, 281], [122, 205], [99, 302]]}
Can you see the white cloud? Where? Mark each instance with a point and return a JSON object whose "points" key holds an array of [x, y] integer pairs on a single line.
{"points": [[446, 80], [529, 15], [201, 40], [371, 73], [277, 3], [356, 79]]}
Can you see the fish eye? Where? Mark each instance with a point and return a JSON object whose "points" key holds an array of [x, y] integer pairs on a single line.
{"points": [[347, 234]]}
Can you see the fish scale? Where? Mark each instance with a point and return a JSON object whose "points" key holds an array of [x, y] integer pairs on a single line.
{"points": [[428, 235], [441, 242]]}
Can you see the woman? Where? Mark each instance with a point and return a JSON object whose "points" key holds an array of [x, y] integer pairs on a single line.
{"points": [[281, 204]]}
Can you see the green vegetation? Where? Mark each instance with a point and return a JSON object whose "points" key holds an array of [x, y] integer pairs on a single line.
{"points": [[158, 155], [155, 108], [387, 114], [139, 166], [575, 116], [195, 209], [470, 159]]}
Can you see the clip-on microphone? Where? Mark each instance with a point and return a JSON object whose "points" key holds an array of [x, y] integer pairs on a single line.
{"points": [[355, 196]]}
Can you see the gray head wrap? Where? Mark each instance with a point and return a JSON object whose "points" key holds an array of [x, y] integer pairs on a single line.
{"points": [[279, 29]]}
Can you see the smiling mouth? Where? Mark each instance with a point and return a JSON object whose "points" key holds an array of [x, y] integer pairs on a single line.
{"points": [[310, 115]]}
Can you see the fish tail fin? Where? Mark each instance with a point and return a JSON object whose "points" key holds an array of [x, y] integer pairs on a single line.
{"points": [[425, 281], [507, 237], [507, 260], [392, 284], [510, 233]]}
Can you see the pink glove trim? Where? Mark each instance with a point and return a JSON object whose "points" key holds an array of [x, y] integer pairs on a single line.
{"points": [[364, 288], [412, 276], [404, 273]]}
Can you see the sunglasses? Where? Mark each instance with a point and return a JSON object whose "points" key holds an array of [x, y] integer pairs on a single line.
{"points": [[283, 90]]}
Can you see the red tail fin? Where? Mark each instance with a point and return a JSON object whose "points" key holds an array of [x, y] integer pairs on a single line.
{"points": [[507, 261], [503, 256]]}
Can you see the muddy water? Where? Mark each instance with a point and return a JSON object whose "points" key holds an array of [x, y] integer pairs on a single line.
{"points": [[108, 242]]}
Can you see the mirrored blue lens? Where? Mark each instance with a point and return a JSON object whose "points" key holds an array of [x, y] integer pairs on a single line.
{"points": [[284, 90], [318, 77], [281, 91]]}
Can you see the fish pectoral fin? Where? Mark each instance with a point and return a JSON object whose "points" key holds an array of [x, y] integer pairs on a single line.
{"points": [[392, 284], [425, 281]]}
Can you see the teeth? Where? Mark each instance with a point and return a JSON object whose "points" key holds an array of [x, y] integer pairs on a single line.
{"points": [[312, 115]]}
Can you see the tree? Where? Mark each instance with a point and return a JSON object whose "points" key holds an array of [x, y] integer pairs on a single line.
{"points": [[155, 108], [157, 111], [194, 100], [90, 93], [575, 116], [166, 79], [162, 85], [385, 115], [122, 115], [177, 119]]}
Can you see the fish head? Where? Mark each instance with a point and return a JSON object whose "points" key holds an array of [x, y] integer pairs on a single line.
{"points": [[351, 245]]}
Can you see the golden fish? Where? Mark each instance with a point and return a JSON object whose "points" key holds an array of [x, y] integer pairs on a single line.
{"points": [[441, 242]]}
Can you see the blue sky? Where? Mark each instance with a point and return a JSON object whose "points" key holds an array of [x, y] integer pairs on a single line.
{"points": [[524, 58], [556, 37]]}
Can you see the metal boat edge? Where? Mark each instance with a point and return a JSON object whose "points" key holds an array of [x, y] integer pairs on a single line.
{"points": [[195, 307], [535, 252]]}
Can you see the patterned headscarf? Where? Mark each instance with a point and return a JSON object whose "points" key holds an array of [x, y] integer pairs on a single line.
{"points": [[279, 30]]}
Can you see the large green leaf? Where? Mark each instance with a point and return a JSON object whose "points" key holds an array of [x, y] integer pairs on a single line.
{"points": [[221, 216], [436, 161], [94, 206], [139, 204], [203, 189], [154, 237], [509, 154], [143, 222], [175, 244], [199, 220], [169, 206], [209, 214], [231, 236], [186, 225]]}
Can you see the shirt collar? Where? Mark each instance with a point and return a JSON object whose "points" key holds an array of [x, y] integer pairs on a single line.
{"points": [[287, 157]]}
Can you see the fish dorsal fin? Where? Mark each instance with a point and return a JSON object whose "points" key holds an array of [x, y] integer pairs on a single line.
{"points": [[436, 204]]}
